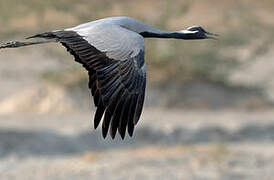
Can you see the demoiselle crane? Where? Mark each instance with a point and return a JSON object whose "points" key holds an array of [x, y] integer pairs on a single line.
{"points": [[112, 51]]}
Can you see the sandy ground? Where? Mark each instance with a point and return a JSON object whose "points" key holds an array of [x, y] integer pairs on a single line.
{"points": [[168, 144]]}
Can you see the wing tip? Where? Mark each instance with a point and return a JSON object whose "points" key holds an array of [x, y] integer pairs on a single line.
{"points": [[104, 135], [113, 135], [123, 135], [96, 125], [130, 131]]}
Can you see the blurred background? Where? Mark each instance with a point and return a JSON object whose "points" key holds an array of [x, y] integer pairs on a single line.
{"points": [[209, 104]]}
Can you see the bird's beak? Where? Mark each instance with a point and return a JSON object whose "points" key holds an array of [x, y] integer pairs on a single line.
{"points": [[210, 35]]}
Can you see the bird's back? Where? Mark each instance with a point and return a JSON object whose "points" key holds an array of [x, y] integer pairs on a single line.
{"points": [[122, 21]]}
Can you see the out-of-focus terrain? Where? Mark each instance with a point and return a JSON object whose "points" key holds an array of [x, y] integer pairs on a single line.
{"points": [[209, 104], [168, 144]]}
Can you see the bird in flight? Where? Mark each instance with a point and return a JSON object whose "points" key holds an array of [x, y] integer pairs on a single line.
{"points": [[112, 51]]}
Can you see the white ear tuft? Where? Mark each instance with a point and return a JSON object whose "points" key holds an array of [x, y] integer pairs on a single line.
{"points": [[191, 27], [186, 31]]}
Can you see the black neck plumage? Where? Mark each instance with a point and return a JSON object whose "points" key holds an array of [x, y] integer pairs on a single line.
{"points": [[174, 35]]}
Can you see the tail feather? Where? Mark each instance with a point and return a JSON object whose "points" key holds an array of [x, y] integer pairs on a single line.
{"points": [[48, 36], [16, 44]]}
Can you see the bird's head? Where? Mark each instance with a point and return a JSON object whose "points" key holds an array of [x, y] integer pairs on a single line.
{"points": [[197, 32]]}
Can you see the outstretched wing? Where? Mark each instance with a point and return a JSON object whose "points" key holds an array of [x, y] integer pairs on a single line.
{"points": [[114, 59]]}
